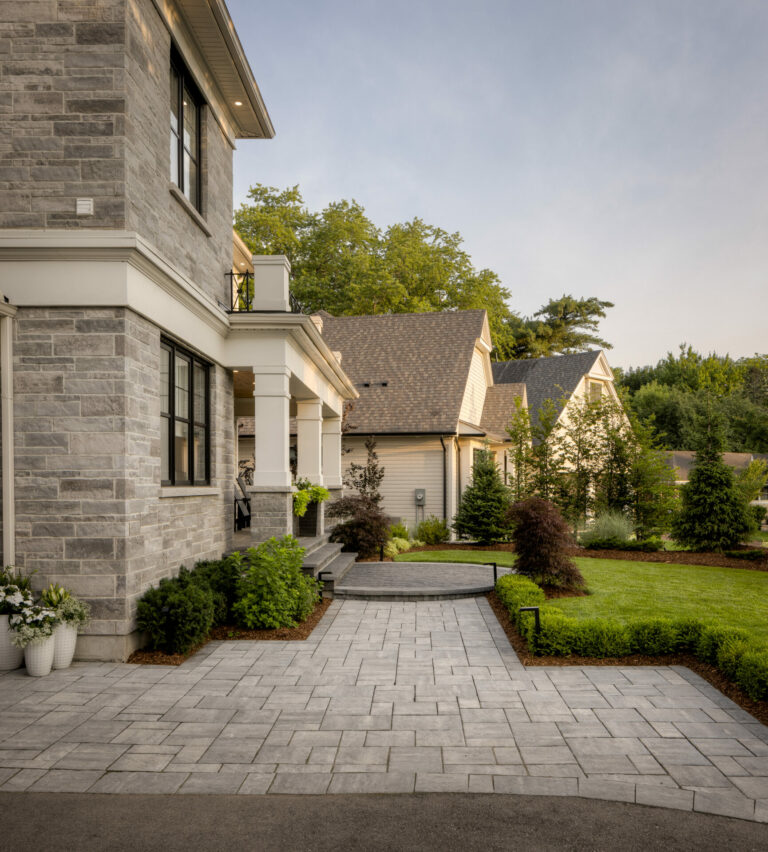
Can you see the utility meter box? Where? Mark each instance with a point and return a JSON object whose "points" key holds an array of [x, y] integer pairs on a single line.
{"points": [[420, 496]]}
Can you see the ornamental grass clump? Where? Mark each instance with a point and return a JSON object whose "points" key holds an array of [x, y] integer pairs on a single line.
{"points": [[608, 526], [542, 538]]}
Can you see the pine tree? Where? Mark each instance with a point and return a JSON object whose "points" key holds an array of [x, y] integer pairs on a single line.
{"points": [[482, 511], [712, 514]]}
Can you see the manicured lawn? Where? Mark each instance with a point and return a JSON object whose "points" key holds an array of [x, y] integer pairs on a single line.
{"points": [[732, 596]]}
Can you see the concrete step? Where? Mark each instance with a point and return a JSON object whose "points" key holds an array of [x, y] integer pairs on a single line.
{"points": [[334, 572], [319, 558], [312, 544]]}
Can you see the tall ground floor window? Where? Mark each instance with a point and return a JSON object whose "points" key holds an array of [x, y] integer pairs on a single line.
{"points": [[184, 417]]}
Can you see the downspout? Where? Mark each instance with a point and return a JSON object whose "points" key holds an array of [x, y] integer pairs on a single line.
{"points": [[6, 425], [458, 469], [445, 479]]}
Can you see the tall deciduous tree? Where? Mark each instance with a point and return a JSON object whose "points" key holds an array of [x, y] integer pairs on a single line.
{"points": [[343, 263]]}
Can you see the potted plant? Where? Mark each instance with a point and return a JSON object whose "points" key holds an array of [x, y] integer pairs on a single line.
{"points": [[306, 506], [73, 614], [34, 633], [14, 596]]}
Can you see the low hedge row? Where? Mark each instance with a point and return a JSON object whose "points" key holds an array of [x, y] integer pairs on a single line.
{"points": [[739, 656], [648, 545], [262, 588]]}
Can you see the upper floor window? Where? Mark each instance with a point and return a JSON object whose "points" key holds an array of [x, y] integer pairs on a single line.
{"points": [[184, 417], [595, 391], [186, 106]]}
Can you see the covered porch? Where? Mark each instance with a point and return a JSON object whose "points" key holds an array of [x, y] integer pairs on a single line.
{"points": [[284, 375]]}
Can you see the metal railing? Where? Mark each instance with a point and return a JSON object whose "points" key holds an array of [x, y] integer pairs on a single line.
{"points": [[242, 289]]}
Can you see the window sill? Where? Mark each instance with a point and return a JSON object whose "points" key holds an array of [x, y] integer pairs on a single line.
{"points": [[189, 491], [190, 209]]}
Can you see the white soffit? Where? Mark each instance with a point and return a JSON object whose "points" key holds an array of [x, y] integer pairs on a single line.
{"points": [[211, 27]]}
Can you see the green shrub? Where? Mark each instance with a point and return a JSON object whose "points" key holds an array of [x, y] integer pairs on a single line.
{"points": [[176, 615], [221, 576], [433, 530], [390, 550], [729, 656], [273, 591], [307, 493], [649, 545], [652, 636], [752, 673], [713, 637], [402, 544], [399, 531], [608, 525], [758, 515], [750, 555], [688, 632], [514, 591]]}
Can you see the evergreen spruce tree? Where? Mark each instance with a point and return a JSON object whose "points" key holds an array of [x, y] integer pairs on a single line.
{"points": [[713, 514], [482, 511]]}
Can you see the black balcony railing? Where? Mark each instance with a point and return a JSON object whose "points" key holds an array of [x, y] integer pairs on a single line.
{"points": [[241, 288]]}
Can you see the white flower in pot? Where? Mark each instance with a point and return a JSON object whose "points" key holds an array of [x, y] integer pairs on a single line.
{"points": [[33, 628], [73, 614], [15, 594]]}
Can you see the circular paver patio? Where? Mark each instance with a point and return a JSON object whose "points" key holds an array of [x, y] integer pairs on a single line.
{"points": [[416, 580]]}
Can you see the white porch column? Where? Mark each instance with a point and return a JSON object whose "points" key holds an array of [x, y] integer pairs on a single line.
{"points": [[8, 471], [271, 492], [332, 452], [309, 447], [272, 468]]}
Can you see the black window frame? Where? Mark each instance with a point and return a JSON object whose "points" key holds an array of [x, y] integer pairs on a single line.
{"points": [[172, 416], [186, 82]]}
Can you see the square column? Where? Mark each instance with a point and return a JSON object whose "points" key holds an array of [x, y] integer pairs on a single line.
{"points": [[271, 493], [309, 446], [332, 453]]}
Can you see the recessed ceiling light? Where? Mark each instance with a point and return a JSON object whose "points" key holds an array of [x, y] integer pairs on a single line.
{"points": [[238, 103]]}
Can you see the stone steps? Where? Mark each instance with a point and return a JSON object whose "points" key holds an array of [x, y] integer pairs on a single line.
{"points": [[321, 557]]}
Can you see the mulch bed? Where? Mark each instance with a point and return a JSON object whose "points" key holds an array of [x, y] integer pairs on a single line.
{"points": [[758, 709], [227, 632], [676, 557]]}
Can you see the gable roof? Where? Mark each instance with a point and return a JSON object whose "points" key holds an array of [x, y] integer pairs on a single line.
{"points": [[498, 408], [545, 378], [411, 370]]}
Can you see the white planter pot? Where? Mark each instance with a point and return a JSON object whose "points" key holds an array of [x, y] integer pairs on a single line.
{"points": [[65, 639], [11, 657], [38, 656]]}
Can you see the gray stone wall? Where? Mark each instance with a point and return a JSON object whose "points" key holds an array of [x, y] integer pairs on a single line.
{"points": [[62, 113], [84, 113], [90, 510], [271, 514], [152, 210]]}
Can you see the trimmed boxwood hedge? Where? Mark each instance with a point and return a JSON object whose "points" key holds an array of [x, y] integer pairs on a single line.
{"points": [[739, 656]]}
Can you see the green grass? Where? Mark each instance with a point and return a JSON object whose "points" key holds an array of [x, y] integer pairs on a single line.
{"points": [[731, 596]]}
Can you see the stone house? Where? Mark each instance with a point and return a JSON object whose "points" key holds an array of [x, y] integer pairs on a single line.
{"points": [[127, 348]]}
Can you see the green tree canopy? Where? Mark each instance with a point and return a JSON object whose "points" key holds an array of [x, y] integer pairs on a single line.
{"points": [[343, 263]]}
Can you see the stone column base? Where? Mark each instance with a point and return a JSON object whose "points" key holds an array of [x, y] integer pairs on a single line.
{"points": [[271, 513]]}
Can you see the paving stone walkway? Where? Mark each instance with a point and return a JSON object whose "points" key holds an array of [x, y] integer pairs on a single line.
{"points": [[384, 697]]}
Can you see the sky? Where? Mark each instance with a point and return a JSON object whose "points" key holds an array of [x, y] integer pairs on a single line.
{"points": [[609, 148]]}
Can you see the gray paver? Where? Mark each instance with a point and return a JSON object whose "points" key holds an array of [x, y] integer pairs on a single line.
{"points": [[385, 697]]}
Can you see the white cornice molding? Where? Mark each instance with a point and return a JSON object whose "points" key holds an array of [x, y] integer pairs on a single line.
{"points": [[304, 333], [118, 246]]}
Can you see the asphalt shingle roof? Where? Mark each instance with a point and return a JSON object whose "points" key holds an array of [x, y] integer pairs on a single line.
{"points": [[498, 408], [545, 378], [410, 370]]}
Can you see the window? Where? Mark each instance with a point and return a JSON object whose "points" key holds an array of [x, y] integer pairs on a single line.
{"points": [[186, 107], [184, 417], [595, 390]]}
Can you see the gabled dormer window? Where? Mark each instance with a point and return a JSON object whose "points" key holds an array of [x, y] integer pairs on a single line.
{"points": [[186, 107]]}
